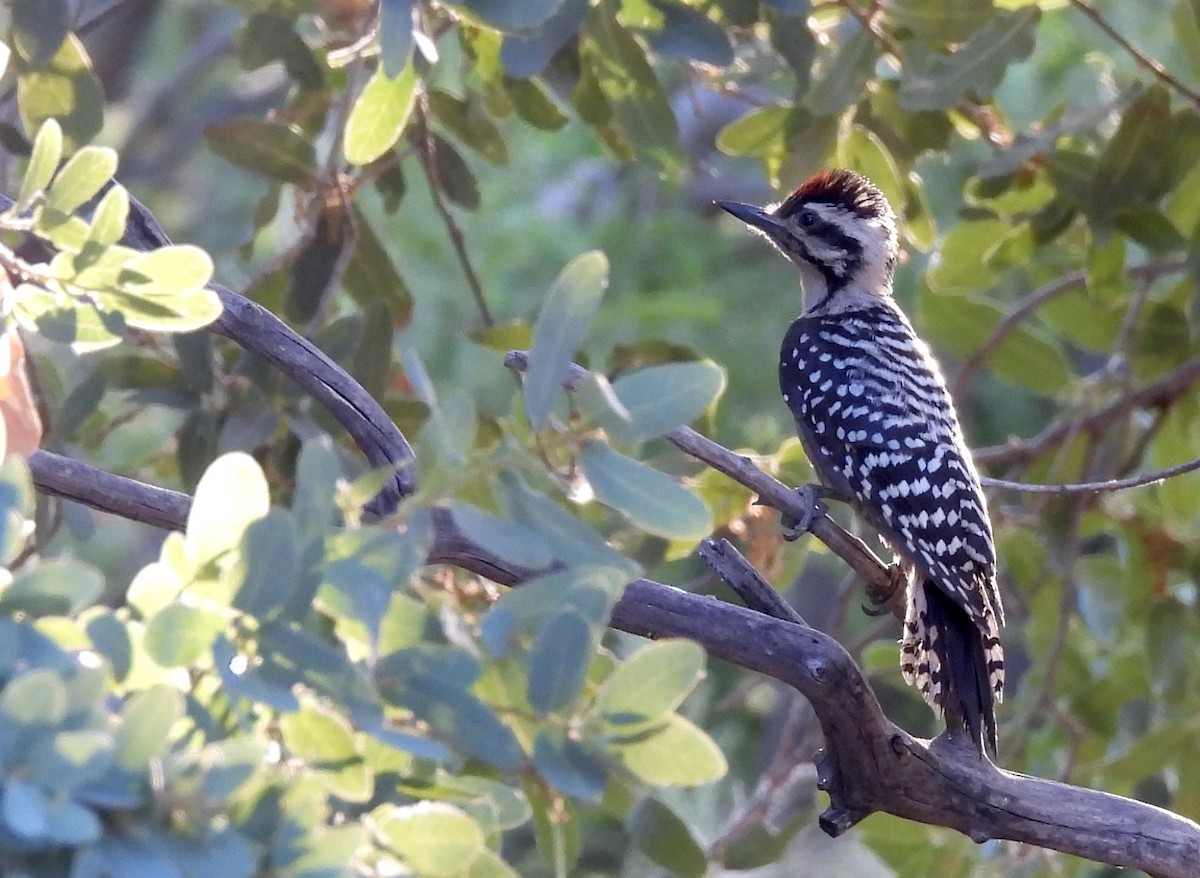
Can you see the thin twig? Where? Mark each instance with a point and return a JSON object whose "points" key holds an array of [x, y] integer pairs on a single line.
{"points": [[1160, 392], [1107, 486], [880, 583], [427, 153], [732, 566], [1034, 301], [1143, 60]]}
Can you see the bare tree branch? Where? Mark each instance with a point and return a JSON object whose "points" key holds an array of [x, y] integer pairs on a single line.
{"points": [[1157, 70], [1106, 486], [868, 765], [1160, 392], [1031, 303]]}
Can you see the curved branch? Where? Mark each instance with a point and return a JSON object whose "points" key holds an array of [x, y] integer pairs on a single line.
{"points": [[799, 505], [1107, 486], [260, 332], [869, 764], [1143, 60], [1031, 303], [1160, 392]]}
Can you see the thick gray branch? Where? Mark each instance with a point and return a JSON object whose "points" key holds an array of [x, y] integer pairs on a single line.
{"points": [[869, 763]]}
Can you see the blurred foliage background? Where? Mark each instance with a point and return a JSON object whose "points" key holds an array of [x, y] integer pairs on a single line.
{"points": [[286, 690]]}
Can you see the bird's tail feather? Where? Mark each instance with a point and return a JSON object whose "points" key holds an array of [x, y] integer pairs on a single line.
{"points": [[956, 666]]}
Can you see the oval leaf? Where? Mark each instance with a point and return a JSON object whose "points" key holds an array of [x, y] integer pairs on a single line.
{"points": [[559, 659], [379, 115], [650, 499], [679, 754], [232, 493], [652, 682], [559, 331], [434, 838], [661, 398]]}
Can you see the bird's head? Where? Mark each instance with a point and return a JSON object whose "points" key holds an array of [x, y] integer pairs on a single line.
{"points": [[841, 232]]}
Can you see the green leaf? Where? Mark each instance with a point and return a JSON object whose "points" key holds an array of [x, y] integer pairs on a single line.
{"points": [[526, 52], [56, 587], [463, 721], [177, 270], [949, 21], [490, 865], [569, 767], [454, 174], [664, 838], [371, 275], [84, 174], [326, 745], [433, 838], [276, 150], [43, 161], [843, 79], [65, 320], [1027, 357], [757, 133], [179, 635], [1138, 148], [661, 398], [38, 28], [559, 659], [533, 104], [559, 331], [468, 122], [510, 540], [232, 493], [395, 34], [571, 540], [379, 115], [110, 217], [184, 313], [624, 76], [863, 151], [678, 754], [506, 15], [691, 35], [268, 565], [23, 808], [934, 81], [650, 499], [652, 682], [961, 262], [64, 89], [34, 698], [146, 721]]}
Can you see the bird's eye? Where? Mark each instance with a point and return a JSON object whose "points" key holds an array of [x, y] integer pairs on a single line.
{"points": [[807, 218]]}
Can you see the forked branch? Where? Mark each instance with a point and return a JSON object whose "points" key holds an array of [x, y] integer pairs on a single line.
{"points": [[868, 764]]}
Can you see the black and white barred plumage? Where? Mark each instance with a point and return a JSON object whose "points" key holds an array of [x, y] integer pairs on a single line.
{"points": [[879, 427]]}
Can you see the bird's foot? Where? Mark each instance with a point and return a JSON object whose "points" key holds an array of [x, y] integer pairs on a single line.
{"points": [[883, 600], [810, 496]]}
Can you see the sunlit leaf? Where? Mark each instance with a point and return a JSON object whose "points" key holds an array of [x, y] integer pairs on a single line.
{"points": [[559, 331], [379, 115], [274, 149], [65, 89], [650, 499], [231, 494], [677, 754], [652, 682], [43, 160]]}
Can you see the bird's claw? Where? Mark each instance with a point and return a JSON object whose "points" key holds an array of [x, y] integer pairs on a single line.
{"points": [[882, 600], [795, 527]]}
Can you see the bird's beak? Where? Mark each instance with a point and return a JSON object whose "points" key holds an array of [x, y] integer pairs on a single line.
{"points": [[756, 217]]}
